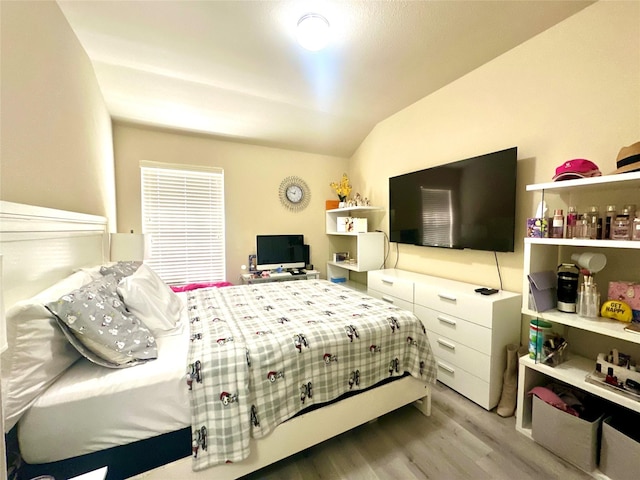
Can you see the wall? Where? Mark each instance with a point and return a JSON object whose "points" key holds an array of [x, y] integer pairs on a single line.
{"points": [[252, 175], [571, 92], [56, 149]]}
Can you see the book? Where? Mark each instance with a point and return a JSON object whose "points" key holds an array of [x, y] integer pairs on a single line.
{"points": [[633, 327]]}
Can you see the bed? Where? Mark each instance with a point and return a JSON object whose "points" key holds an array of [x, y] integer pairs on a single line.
{"points": [[41, 247]]}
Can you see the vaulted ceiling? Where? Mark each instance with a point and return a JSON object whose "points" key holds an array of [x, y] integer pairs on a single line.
{"points": [[232, 69]]}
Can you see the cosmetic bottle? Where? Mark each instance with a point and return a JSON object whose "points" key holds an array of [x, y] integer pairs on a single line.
{"points": [[631, 208], [582, 226], [635, 229], [609, 219], [572, 221], [595, 223], [557, 224]]}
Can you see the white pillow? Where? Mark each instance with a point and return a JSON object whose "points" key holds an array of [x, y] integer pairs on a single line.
{"points": [[95, 270], [38, 351], [151, 300]]}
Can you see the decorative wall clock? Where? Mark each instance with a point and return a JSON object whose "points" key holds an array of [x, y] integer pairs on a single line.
{"points": [[294, 193]]}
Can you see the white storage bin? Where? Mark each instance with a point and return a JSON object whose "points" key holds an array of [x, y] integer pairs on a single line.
{"points": [[620, 448], [569, 437], [344, 224]]}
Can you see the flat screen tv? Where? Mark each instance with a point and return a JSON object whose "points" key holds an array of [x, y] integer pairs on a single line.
{"points": [[465, 204], [279, 251]]}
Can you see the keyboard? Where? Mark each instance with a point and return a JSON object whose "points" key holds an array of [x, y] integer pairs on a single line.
{"points": [[280, 274]]}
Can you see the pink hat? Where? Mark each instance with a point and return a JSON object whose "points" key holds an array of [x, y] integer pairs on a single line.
{"points": [[576, 168]]}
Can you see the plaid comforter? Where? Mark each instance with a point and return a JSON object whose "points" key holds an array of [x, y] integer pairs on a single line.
{"points": [[259, 354]]}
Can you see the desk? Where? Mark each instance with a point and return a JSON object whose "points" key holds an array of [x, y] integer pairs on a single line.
{"points": [[251, 279]]}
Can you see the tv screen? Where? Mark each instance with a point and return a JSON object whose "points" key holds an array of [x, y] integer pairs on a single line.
{"points": [[465, 204], [279, 251]]}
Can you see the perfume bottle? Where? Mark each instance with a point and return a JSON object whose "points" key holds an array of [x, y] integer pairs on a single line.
{"points": [[582, 226], [609, 219], [595, 223], [557, 224], [635, 230], [572, 221]]}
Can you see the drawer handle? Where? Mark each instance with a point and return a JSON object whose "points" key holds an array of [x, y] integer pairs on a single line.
{"points": [[447, 296], [448, 345], [388, 282], [446, 367], [447, 320], [387, 299]]}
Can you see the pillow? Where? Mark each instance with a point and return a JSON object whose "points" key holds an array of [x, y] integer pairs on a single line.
{"points": [[120, 269], [99, 320], [38, 352], [151, 300], [87, 353], [95, 270]]}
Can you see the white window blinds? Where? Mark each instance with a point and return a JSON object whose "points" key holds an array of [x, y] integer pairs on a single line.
{"points": [[183, 213]]}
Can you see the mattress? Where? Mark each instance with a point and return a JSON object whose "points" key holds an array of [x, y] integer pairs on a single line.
{"points": [[123, 405]]}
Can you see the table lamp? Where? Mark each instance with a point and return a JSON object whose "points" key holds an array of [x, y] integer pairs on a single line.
{"points": [[127, 247]]}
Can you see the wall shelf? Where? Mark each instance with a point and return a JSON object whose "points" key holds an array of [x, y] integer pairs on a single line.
{"points": [[366, 247], [602, 183]]}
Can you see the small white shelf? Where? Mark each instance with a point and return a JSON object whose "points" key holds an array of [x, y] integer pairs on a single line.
{"points": [[573, 372], [353, 209], [600, 325], [603, 183], [331, 218], [354, 234], [583, 242], [346, 265]]}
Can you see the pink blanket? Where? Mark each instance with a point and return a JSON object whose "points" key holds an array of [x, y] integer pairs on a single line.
{"points": [[194, 286]]}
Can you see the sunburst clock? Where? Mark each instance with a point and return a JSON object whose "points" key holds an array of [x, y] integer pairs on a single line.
{"points": [[294, 193]]}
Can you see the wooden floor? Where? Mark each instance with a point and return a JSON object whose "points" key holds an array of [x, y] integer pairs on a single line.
{"points": [[459, 441]]}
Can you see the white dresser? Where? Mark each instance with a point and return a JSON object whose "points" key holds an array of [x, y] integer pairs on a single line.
{"points": [[468, 331]]}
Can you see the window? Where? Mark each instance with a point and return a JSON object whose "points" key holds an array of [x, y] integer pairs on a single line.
{"points": [[183, 213]]}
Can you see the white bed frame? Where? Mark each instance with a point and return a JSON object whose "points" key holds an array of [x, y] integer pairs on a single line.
{"points": [[41, 246]]}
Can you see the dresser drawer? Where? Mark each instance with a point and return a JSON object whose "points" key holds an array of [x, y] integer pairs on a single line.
{"points": [[471, 306], [398, 302], [459, 330], [459, 355], [464, 383], [390, 285]]}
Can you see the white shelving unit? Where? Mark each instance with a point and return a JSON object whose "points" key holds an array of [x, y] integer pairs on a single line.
{"points": [[366, 247], [541, 254]]}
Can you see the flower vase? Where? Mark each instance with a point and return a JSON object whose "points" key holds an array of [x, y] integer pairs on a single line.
{"points": [[343, 201]]}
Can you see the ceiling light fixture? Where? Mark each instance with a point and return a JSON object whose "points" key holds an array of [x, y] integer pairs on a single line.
{"points": [[313, 32]]}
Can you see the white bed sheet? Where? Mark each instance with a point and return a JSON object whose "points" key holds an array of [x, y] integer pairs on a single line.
{"points": [[124, 405]]}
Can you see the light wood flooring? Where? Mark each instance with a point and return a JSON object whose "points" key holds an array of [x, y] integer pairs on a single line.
{"points": [[460, 440]]}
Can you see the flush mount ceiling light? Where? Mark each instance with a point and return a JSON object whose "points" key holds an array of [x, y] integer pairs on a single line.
{"points": [[313, 32]]}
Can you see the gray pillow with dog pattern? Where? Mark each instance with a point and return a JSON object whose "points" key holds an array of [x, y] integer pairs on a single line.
{"points": [[98, 319]]}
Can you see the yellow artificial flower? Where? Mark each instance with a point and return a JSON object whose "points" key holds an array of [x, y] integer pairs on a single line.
{"points": [[342, 189]]}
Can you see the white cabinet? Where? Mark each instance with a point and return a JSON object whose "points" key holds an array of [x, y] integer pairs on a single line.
{"points": [[584, 334], [366, 249], [468, 331]]}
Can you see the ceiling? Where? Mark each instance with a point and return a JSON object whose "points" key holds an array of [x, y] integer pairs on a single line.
{"points": [[232, 69]]}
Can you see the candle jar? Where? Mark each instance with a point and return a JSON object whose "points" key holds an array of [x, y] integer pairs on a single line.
{"points": [[621, 229]]}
